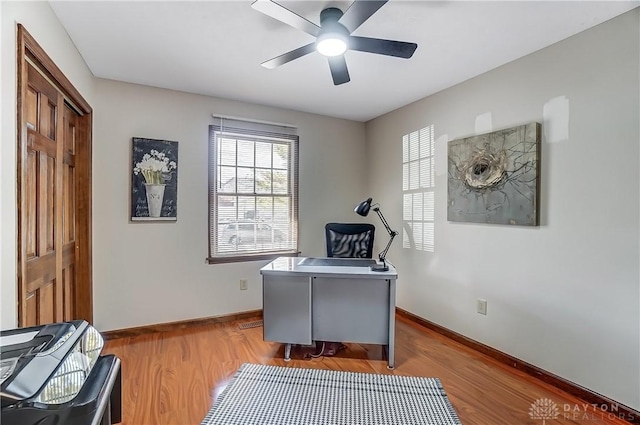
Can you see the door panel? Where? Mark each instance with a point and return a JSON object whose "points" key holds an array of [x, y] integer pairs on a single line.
{"points": [[45, 296], [47, 115], [31, 103], [45, 203], [31, 197], [30, 311]]}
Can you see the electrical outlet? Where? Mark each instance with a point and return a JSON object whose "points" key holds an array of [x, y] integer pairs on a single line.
{"points": [[482, 306], [243, 284]]}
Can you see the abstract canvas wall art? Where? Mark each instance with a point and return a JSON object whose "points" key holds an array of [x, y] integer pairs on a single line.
{"points": [[494, 177]]}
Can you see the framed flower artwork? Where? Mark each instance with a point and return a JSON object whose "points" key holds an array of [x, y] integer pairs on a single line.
{"points": [[154, 180]]}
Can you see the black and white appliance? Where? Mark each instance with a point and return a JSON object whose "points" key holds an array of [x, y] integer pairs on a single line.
{"points": [[55, 374]]}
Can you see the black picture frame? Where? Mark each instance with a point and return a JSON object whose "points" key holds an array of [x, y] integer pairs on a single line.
{"points": [[154, 180]]}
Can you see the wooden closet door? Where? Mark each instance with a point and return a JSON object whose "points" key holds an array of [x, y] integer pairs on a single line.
{"points": [[48, 285]]}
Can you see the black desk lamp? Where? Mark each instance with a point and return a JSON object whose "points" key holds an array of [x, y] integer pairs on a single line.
{"points": [[363, 210]]}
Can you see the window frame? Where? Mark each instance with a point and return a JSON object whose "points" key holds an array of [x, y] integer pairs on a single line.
{"points": [[249, 130]]}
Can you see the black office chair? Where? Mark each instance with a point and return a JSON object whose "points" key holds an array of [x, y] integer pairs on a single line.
{"points": [[349, 240]]}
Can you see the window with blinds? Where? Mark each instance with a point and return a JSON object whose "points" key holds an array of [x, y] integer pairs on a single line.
{"points": [[253, 191], [418, 184]]}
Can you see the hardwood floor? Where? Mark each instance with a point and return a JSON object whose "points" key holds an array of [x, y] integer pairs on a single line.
{"points": [[172, 378]]}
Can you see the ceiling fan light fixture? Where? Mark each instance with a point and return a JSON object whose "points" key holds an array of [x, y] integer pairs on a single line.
{"points": [[333, 35], [331, 44]]}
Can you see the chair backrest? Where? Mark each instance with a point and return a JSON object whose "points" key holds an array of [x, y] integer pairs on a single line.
{"points": [[349, 240]]}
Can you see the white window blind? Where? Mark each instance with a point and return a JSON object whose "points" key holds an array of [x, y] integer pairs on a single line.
{"points": [[253, 190], [418, 183]]}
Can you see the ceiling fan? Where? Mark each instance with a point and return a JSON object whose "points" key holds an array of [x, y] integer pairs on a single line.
{"points": [[333, 36]]}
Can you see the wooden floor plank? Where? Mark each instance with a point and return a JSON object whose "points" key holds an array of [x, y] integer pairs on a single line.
{"points": [[172, 378]]}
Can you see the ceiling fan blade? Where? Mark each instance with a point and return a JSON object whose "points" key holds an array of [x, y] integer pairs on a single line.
{"points": [[289, 56], [360, 11], [339, 71], [281, 13], [400, 49]]}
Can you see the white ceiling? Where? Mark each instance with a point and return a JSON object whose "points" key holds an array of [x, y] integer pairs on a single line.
{"points": [[215, 47]]}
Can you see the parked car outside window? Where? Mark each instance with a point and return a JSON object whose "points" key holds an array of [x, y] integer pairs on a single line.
{"points": [[250, 232]]}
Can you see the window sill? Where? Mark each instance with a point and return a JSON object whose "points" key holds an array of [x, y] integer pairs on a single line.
{"points": [[250, 257]]}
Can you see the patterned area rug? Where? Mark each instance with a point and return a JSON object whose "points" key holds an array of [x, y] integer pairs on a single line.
{"points": [[273, 395]]}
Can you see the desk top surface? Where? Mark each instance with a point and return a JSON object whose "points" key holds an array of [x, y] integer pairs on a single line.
{"points": [[348, 267]]}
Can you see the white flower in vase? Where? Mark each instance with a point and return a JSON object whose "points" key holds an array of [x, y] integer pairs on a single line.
{"points": [[155, 167]]}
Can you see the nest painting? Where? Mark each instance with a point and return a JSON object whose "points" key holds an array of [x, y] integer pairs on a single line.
{"points": [[493, 177]]}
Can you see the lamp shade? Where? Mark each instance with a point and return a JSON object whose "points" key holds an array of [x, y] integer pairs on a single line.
{"points": [[364, 207]]}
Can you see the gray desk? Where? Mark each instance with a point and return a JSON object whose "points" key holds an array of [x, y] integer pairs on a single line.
{"points": [[328, 299]]}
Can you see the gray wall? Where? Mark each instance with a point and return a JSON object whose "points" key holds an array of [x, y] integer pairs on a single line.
{"points": [[565, 295], [156, 272]]}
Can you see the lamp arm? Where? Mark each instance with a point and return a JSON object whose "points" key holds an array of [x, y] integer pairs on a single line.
{"points": [[384, 221], [392, 233], [383, 254]]}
